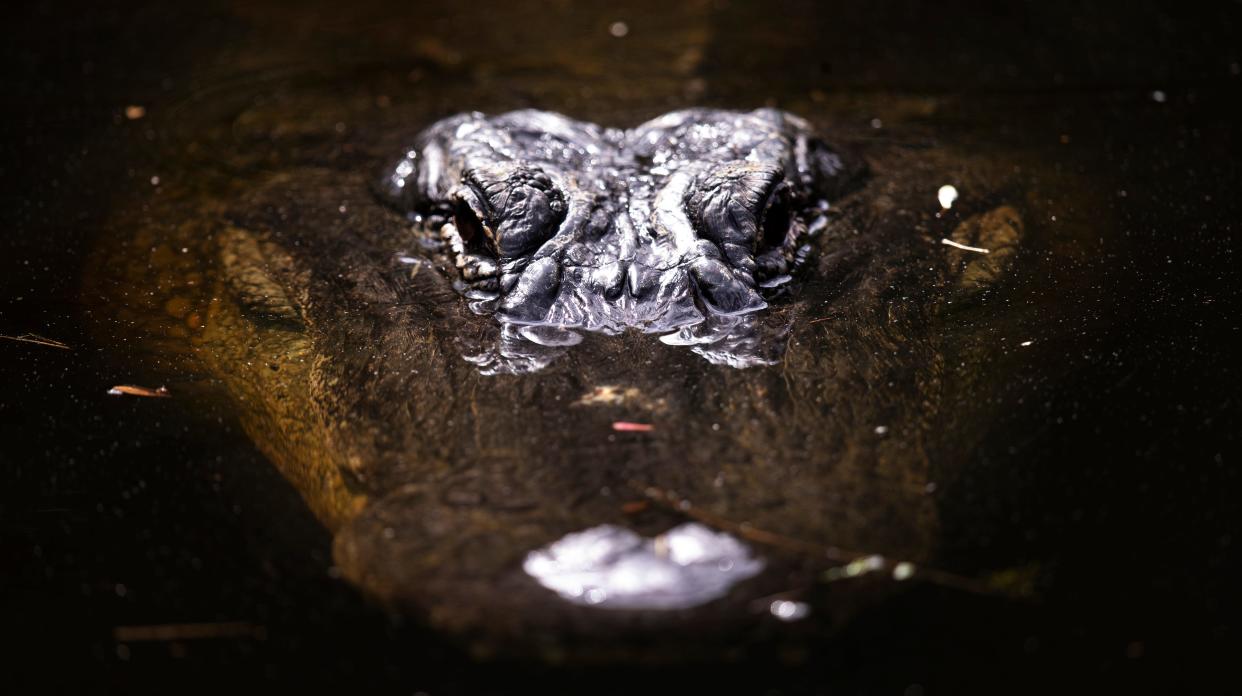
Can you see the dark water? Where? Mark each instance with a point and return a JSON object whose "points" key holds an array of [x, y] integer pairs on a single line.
{"points": [[1103, 454]]}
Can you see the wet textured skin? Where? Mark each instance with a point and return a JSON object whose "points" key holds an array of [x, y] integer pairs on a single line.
{"points": [[679, 225], [344, 363]]}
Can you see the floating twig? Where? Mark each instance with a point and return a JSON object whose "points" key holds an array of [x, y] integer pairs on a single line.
{"points": [[955, 245], [132, 390], [635, 506], [38, 341], [628, 427]]}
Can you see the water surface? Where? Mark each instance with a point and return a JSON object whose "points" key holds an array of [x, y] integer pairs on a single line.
{"points": [[1075, 421]]}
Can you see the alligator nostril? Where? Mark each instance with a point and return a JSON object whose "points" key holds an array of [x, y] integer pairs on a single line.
{"points": [[774, 227]]}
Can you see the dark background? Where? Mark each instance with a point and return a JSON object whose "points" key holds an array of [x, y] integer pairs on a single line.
{"points": [[115, 513]]}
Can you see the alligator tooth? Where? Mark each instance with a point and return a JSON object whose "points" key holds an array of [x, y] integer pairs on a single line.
{"points": [[486, 268], [474, 266], [449, 233]]}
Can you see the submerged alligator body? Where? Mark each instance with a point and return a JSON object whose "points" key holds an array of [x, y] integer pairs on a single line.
{"points": [[679, 226], [506, 510]]}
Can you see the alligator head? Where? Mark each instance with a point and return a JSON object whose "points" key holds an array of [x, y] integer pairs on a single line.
{"points": [[684, 226], [465, 499]]}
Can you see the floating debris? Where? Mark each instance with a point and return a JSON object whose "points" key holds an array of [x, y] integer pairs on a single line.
{"points": [[38, 341], [788, 610], [946, 195], [955, 245], [131, 390], [617, 395], [607, 395], [134, 112], [628, 427], [635, 506]]}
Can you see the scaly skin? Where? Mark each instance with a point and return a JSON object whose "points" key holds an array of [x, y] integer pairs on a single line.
{"points": [[680, 226]]}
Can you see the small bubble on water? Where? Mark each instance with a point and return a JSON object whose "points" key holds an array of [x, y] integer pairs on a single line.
{"points": [[786, 610], [619, 29], [1158, 96], [877, 123], [155, 181]]}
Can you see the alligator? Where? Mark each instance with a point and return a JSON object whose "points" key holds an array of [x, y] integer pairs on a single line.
{"points": [[679, 226], [468, 498]]}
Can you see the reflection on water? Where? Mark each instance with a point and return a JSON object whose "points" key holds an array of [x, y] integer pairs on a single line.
{"points": [[741, 341], [517, 349], [614, 568]]}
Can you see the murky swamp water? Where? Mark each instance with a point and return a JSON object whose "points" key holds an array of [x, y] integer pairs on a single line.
{"points": [[344, 498]]}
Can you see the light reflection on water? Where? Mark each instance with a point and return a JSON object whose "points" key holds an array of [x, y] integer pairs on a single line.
{"points": [[614, 568], [515, 349]]}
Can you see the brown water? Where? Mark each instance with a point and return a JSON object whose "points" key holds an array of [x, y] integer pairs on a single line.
{"points": [[1100, 455]]}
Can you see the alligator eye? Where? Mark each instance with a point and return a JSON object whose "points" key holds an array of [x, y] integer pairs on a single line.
{"points": [[777, 217]]}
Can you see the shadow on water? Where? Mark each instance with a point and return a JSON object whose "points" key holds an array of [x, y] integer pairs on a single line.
{"points": [[1071, 422]]}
